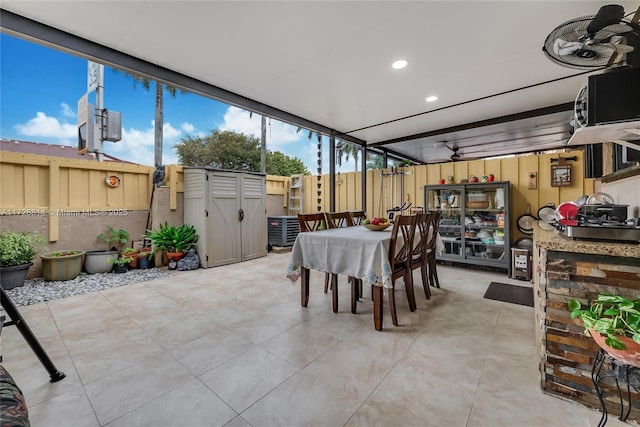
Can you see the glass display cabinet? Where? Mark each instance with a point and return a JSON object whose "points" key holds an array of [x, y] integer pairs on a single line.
{"points": [[474, 222]]}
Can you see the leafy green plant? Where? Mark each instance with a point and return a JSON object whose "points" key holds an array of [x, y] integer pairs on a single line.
{"points": [[129, 251], [120, 261], [173, 239], [610, 315], [64, 253], [115, 238], [19, 248]]}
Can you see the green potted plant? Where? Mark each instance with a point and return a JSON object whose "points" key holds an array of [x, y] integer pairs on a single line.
{"points": [[98, 261], [17, 251], [61, 265], [613, 322], [143, 259], [121, 264], [175, 241], [132, 253]]}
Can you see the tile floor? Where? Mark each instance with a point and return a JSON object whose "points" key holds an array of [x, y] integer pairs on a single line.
{"points": [[232, 346]]}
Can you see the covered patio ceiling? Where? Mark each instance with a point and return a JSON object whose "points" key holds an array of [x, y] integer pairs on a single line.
{"points": [[326, 66]]}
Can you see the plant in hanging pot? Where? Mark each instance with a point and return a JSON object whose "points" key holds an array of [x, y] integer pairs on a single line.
{"points": [[17, 250], [98, 261], [61, 265], [613, 322]]}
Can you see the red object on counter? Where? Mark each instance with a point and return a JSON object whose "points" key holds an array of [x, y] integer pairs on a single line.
{"points": [[567, 210]]}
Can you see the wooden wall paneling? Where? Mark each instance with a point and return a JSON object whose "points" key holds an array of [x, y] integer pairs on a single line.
{"points": [[54, 200], [547, 193], [493, 166], [509, 172], [97, 194], [434, 174], [526, 165], [446, 170], [576, 189], [43, 186], [7, 195], [410, 194], [77, 189], [460, 171], [421, 181], [63, 187], [31, 186], [477, 168]]}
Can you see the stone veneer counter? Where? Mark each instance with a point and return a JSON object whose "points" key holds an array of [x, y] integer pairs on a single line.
{"points": [[552, 241], [576, 269]]}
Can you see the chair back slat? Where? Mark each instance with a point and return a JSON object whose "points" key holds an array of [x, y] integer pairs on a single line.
{"points": [[338, 219], [357, 217], [434, 224], [312, 222], [423, 223], [401, 254]]}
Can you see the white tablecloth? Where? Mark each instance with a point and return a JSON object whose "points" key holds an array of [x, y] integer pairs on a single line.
{"points": [[352, 251]]}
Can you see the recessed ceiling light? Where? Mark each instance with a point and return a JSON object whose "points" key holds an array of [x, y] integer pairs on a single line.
{"points": [[400, 63], [431, 98]]}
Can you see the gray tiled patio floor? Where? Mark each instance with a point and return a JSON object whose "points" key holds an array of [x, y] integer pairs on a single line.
{"points": [[232, 346]]}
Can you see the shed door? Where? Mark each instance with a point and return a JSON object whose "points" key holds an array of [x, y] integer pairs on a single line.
{"points": [[254, 224], [224, 225]]}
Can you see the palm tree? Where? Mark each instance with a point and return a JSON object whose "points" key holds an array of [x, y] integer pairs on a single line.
{"points": [[347, 149], [159, 111]]}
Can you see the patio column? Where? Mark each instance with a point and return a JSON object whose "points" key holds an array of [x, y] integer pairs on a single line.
{"points": [[363, 185], [332, 171]]}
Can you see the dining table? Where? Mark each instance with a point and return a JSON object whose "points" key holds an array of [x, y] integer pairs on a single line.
{"points": [[350, 251]]}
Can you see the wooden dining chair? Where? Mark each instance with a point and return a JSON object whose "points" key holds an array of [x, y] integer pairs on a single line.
{"points": [[404, 226], [357, 217], [431, 249], [314, 222], [338, 219], [419, 256]]}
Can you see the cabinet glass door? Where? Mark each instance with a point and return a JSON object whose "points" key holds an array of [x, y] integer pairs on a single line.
{"points": [[485, 222], [448, 201]]}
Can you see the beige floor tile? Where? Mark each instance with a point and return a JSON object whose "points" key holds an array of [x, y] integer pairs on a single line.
{"points": [[245, 379], [190, 404], [130, 388], [69, 409], [303, 400], [233, 346], [300, 345], [209, 351]]}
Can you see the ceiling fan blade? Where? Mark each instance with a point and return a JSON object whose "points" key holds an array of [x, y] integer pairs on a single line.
{"points": [[607, 15]]}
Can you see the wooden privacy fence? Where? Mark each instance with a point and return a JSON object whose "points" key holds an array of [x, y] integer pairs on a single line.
{"points": [[51, 187]]}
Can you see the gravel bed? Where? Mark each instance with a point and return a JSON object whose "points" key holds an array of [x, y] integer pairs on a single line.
{"points": [[39, 290]]}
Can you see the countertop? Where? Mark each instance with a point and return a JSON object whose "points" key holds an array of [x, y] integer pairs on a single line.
{"points": [[553, 241]]}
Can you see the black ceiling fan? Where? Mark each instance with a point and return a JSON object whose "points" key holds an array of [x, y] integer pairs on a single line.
{"points": [[596, 41], [455, 156]]}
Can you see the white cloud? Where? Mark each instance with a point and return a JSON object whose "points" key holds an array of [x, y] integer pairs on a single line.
{"points": [[137, 145], [187, 127], [67, 111], [279, 134], [47, 127]]}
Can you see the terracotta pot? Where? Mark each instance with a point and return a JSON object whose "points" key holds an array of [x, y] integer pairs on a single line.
{"points": [[629, 356], [175, 256]]}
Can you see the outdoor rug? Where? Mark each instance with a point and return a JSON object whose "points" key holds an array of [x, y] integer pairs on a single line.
{"points": [[514, 294]]}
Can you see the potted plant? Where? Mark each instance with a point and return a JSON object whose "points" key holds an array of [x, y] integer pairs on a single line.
{"points": [[132, 253], [61, 265], [121, 264], [143, 259], [98, 261], [175, 241], [613, 322], [17, 250]]}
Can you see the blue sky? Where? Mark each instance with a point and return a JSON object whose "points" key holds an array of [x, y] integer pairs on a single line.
{"points": [[40, 88]]}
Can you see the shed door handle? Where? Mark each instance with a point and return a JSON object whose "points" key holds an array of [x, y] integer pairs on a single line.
{"points": [[240, 214]]}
